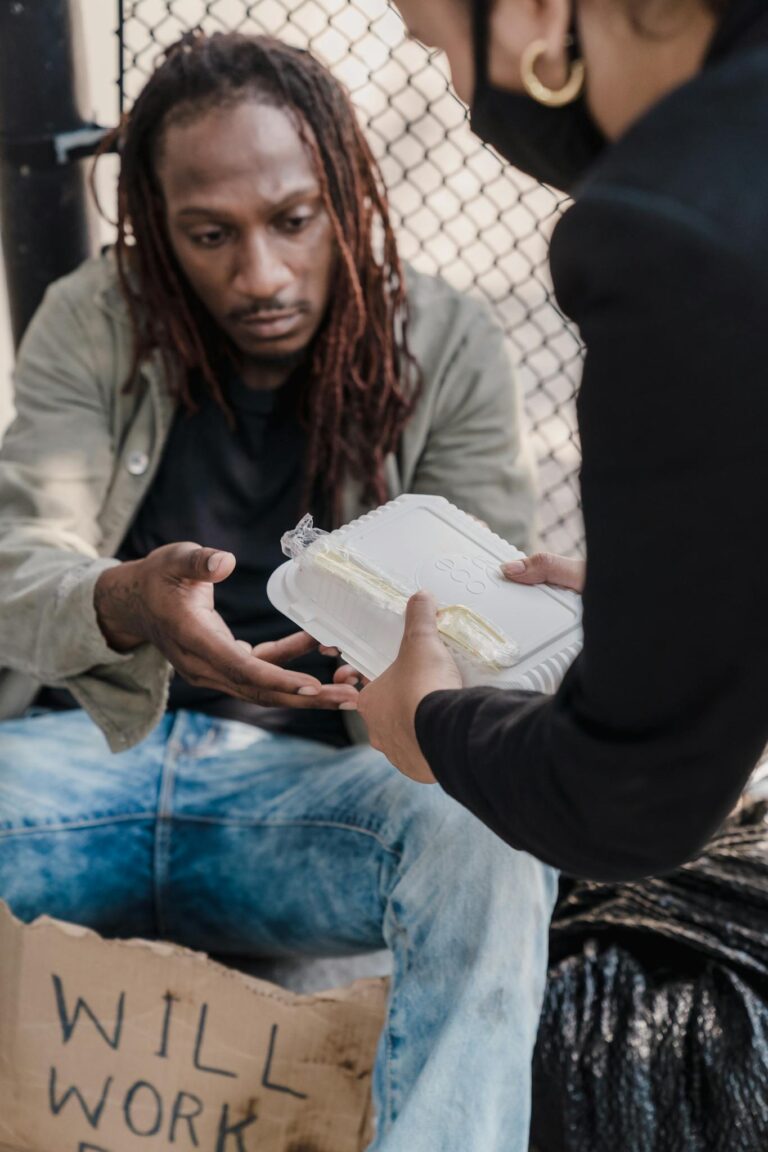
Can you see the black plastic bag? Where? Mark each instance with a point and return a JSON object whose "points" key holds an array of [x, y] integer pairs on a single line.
{"points": [[654, 1030]]}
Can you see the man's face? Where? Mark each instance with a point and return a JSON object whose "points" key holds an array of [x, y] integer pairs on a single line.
{"points": [[248, 225]]}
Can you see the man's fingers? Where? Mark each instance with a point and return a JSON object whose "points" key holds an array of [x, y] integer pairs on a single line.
{"points": [[189, 561], [204, 654], [333, 696], [286, 649], [349, 675], [214, 565], [546, 568], [329, 696], [421, 616]]}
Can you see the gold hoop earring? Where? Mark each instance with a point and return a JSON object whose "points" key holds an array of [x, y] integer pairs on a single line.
{"points": [[551, 97]]}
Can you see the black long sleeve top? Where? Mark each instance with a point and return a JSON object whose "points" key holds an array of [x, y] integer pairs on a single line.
{"points": [[663, 264]]}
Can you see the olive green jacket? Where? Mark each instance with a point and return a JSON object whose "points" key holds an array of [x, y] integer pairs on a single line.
{"points": [[82, 451]]}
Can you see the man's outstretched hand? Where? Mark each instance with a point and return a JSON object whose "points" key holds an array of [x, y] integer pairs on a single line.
{"points": [[167, 600]]}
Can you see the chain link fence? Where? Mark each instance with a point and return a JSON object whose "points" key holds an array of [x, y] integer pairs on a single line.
{"points": [[459, 211]]}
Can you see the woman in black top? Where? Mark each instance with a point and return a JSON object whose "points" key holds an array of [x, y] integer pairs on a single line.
{"points": [[663, 263]]}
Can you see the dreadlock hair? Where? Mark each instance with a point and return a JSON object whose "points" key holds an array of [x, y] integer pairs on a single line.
{"points": [[362, 382]]}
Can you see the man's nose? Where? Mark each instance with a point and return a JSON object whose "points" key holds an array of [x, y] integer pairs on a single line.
{"points": [[261, 271]]}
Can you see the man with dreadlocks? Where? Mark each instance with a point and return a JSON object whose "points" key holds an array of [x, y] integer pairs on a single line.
{"points": [[253, 348]]}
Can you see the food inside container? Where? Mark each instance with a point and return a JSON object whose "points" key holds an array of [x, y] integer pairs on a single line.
{"points": [[349, 588]]}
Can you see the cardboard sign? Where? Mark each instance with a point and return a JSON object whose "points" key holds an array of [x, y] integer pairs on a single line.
{"points": [[121, 1046]]}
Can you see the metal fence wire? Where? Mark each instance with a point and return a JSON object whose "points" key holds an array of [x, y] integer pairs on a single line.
{"points": [[459, 211]]}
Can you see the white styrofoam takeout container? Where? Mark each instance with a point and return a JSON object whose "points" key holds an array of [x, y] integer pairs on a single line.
{"points": [[424, 542]]}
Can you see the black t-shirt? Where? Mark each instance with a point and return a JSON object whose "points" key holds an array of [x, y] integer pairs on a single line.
{"points": [[237, 489]]}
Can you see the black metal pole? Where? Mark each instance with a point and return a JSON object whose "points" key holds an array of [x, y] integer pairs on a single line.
{"points": [[46, 223]]}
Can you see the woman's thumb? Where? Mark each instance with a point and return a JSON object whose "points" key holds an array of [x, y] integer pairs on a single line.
{"points": [[546, 568], [421, 615]]}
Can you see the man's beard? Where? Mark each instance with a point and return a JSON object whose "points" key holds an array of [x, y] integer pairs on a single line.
{"points": [[277, 361]]}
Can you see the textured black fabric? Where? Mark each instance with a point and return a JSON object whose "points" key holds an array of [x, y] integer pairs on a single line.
{"points": [[654, 1029], [238, 489], [745, 23], [663, 264]]}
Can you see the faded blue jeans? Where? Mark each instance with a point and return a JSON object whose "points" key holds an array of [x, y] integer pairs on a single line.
{"points": [[230, 839]]}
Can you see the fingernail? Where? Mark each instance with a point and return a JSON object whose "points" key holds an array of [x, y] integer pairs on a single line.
{"points": [[350, 707], [214, 561], [513, 568], [308, 691]]}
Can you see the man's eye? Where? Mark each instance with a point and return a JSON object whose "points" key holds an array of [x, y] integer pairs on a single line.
{"points": [[297, 221], [210, 238]]}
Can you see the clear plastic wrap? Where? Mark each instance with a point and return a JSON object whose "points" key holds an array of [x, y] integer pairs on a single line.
{"points": [[476, 637], [295, 543]]}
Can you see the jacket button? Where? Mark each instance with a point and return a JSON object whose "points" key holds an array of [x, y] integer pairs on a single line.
{"points": [[137, 463]]}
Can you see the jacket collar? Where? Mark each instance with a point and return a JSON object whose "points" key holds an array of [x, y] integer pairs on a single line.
{"points": [[109, 294], [744, 26]]}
